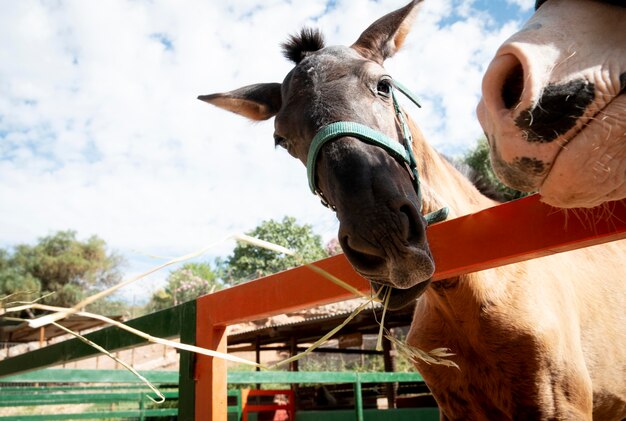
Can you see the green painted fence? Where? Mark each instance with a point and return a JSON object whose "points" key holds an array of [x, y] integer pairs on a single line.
{"points": [[179, 321], [119, 386]]}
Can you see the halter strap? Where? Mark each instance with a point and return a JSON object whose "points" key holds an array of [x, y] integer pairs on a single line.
{"points": [[360, 131], [401, 152], [407, 93]]}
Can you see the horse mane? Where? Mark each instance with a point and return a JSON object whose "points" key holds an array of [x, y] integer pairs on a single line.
{"points": [[485, 186], [308, 40]]}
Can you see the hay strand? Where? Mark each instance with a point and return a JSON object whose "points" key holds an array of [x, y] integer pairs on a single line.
{"points": [[263, 244], [339, 282], [379, 342], [435, 356], [146, 336], [49, 318], [118, 360], [324, 338]]}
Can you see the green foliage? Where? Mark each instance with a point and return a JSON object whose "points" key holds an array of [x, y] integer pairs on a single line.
{"points": [[341, 362], [478, 160], [184, 284], [250, 262], [115, 307], [60, 264]]}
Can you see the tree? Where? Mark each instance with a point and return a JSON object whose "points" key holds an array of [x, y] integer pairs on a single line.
{"points": [[184, 284], [478, 160], [250, 262], [60, 264]]}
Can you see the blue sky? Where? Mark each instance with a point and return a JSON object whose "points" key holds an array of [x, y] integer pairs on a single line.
{"points": [[100, 130]]}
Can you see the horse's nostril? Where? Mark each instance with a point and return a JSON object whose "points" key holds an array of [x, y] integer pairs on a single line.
{"points": [[513, 85], [413, 230], [364, 256]]}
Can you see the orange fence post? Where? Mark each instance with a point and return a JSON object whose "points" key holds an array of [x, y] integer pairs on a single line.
{"points": [[244, 404], [211, 393]]}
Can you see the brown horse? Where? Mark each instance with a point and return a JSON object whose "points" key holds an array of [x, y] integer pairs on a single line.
{"points": [[553, 105], [540, 340]]}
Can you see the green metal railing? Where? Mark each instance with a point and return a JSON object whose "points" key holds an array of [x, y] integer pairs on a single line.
{"points": [[104, 390], [105, 397], [178, 321], [325, 377], [122, 386]]}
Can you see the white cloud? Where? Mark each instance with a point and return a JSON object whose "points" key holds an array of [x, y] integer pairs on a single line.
{"points": [[100, 130], [524, 5]]}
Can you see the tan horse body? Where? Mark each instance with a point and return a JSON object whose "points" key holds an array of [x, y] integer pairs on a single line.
{"points": [[540, 340]]}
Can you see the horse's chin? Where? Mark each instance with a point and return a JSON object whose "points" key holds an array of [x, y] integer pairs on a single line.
{"points": [[590, 170], [389, 247], [408, 279]]}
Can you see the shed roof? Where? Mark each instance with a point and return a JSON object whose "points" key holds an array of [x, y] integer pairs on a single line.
{"points": [[21, 333], [311, 329]]}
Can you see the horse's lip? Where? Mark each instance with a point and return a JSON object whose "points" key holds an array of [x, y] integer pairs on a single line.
{"points": [[401, 298], [573, 134], [551, 188], [372, 269]]}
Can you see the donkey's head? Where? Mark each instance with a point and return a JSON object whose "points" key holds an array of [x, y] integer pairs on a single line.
{"points": [[382, 231]]}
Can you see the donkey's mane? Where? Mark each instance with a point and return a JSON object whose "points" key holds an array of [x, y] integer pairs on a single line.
{"points": [[308, 40]]}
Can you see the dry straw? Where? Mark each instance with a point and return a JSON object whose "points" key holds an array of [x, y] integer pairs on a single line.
{"points": [[148, 337], [44, 320], [124, 364]]}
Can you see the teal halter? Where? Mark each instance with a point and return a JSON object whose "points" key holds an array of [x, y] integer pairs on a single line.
{"points": [[402, 152]]}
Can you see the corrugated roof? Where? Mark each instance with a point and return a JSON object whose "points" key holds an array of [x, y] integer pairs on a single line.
{"points": [[22, 333], [312, 328]]}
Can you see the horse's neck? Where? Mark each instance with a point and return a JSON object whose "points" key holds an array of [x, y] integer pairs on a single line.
{"points": [[443, 185]]}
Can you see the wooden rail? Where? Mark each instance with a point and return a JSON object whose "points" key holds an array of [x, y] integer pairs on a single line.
{"points": [[508, 233]]}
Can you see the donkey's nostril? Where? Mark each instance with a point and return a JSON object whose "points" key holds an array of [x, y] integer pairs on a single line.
{"points": [[513, 84]]}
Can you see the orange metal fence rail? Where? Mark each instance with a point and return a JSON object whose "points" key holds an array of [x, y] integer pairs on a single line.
{"points": [[508, 233]]}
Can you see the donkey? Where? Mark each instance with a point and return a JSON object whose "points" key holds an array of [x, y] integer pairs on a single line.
{"points": [[539, 340], [553, 105]]}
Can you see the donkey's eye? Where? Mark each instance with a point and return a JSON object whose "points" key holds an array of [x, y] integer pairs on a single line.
{"points": [[280, 141], [384, 87]]}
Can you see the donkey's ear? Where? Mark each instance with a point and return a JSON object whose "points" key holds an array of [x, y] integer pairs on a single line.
{"points": [[257, 102], [385, 36]]}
